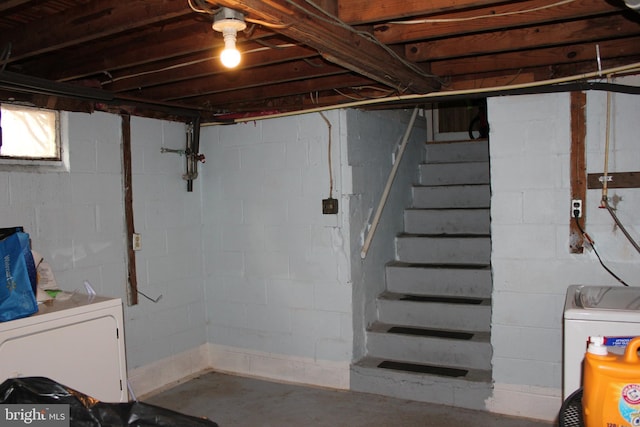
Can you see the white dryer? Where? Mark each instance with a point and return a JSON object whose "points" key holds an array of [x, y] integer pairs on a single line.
{"points": [[610, 311]]}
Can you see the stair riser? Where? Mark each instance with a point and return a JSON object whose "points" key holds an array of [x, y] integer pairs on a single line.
{"points": [[448, 221], [458, 196], [429, 351], [458, 152], [454, 173], [459, 317], [423, 388], [435, 250], [439, 281]]}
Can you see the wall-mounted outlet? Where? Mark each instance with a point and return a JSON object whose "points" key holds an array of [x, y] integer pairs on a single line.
{"points": [[329, 206], [576, 208], [137, 242]]}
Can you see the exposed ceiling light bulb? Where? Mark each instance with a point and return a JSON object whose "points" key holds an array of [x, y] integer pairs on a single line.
{"points": [[230, 56], [229, 22]]}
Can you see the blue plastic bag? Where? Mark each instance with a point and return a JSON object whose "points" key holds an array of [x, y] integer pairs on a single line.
{"points": [[17, 278]]}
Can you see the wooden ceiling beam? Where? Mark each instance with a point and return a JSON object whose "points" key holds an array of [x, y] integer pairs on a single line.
{"points": [[149, 49], [337, 42], [123, 50], [91, 21], [360, 11], [536, 58], [540, 36], [261, 95], [201, 64], [238, 79], [514, 77], [11, 4], [498, 16]]}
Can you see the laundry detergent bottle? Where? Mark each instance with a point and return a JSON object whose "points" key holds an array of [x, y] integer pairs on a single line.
{"points": [[611, 385]]}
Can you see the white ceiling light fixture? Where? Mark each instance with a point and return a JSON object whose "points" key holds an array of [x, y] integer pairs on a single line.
{"points": [[229, 22], [633, 5]]}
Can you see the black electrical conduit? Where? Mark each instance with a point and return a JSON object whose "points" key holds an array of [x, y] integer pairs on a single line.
{"points": [[35, 85]]}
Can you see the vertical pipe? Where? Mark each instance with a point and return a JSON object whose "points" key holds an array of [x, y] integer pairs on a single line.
{"points": [[192, 151], [605, 174], [189, 157]]}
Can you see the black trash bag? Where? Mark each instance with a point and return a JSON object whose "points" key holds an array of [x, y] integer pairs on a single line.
{"points": [[85, 411]]}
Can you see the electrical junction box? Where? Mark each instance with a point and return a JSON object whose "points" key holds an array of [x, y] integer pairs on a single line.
{"points": [[329, 206]]}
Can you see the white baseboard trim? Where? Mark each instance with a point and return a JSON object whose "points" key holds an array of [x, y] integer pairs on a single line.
{"points": [[279, 367], [525, 401], [164, 373]]}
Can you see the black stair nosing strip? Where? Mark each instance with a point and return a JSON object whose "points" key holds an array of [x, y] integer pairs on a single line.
{"points": [[450, 185], [402, 264], [453, 208], [435, 333], [442, 299], [423, 369], [466, 184], [456, 162], [454, 141], [446, 235], [435, 298]]}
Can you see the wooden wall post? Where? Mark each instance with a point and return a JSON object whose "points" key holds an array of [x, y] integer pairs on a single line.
{"points": [[132, 289], [578, 169]]}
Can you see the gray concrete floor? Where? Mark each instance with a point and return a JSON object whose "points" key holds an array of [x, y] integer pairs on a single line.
{"points": [[238, 401]]}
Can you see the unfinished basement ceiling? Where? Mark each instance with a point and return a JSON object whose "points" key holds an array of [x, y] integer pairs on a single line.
{"points": [[160, 57]]}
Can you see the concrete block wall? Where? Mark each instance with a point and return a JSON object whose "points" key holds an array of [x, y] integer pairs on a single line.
{"points": [[76, 221], [373, 137], [278, 284], [532, 266], [169, 220]]}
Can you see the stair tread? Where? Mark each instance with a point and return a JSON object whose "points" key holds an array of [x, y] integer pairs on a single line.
{"points": [[431, 333], [435, 299], [475, 375]]}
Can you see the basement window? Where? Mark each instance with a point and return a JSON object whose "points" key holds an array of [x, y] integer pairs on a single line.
{"points": [[30, 136]]}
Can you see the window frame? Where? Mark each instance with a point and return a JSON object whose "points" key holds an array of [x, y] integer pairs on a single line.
{"points": [[37, 164]]}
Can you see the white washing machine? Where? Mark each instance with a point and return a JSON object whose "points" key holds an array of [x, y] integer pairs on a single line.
{"points": [[609, 311]]}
